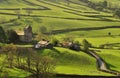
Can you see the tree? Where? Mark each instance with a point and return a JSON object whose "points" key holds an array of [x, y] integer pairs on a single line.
{"points": [[68, 38], [12, 36], [43, 29], [86, 45], [44, 66], [109, 33], [3, 37], [21, 54], [117, 13], [104, 4], [29, 54], [18, 13], [39, 37], [10, 51]]}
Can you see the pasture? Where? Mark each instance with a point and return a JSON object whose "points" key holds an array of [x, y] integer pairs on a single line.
{"points": [[58, 15]]}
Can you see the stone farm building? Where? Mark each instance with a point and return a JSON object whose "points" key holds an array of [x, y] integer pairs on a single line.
{"points": [[26, 35]]}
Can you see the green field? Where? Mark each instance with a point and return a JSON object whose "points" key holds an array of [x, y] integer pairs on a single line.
{"points": [[109, 55], [71, 62], [57, 15]]}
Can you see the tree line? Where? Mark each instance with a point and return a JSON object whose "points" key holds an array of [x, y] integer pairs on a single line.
{"points": [[8, 36], [27, 59]]}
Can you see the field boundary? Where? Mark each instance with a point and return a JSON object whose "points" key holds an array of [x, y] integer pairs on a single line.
{"points": [[82, 29]]}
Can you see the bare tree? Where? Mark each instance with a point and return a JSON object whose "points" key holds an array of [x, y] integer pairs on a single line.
{"points": [[43, 66]]}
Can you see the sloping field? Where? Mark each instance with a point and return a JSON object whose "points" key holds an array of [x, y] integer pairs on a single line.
{"points": [[112, 57], [71, 62]]}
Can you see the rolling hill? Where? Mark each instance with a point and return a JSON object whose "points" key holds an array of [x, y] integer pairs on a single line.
{"points": [[60, 15]]}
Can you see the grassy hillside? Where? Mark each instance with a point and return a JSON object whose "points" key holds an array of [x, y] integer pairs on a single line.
{"points": [[112, 57], [113, 1], [58, 15], [68, 62], [71, 62]]}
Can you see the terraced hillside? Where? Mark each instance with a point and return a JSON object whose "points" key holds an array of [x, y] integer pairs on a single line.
{"points": [[57, 16]]}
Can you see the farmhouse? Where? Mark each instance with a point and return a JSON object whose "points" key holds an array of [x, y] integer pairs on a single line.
{"points": [[43, 44], [71, 45], [26, 35]]}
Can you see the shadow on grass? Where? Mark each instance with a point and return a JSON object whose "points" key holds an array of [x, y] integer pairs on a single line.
{"points": [[110, 65]]}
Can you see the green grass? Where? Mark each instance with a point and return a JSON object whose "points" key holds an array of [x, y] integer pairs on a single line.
{"points": [[17, 73], [71, 62], [113, 1], [51, 22], [61, 16], [112, 57], [12, 73], [97, 41]]}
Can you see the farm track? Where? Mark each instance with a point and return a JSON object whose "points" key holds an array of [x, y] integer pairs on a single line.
{"points": [[102, 65]]}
